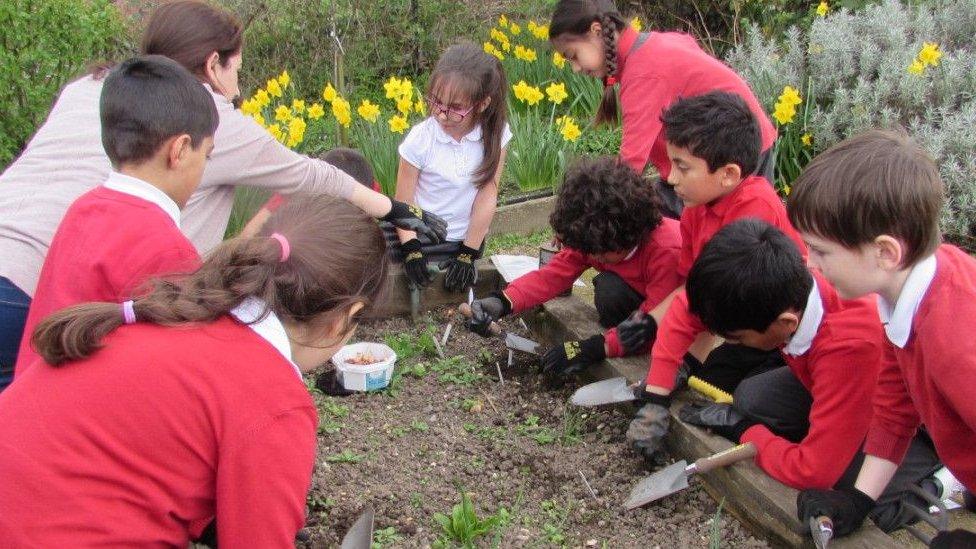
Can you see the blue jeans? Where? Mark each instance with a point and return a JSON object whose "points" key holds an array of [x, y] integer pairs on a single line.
{"points": [[13, 315]]}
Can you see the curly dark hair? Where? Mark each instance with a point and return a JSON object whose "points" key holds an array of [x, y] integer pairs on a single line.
{"points": [[604, 206]]}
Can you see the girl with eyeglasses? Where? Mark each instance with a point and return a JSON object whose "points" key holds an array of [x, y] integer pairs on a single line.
{"points": [[451, 162]]}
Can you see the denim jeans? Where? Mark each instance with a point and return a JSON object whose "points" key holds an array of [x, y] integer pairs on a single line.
{"points": [[13, 315]]}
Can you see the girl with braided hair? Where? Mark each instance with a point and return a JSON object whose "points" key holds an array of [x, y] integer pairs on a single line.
{"points": [[152, 418], [652, 70]]}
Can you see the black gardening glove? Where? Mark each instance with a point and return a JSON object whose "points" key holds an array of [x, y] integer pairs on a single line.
{"points": [[415, 264], [649, 427], [954, 539], [486, 310], [573, 356], [461, 272], [847, 507], [721, 419], [636, 332], [412, 218]]}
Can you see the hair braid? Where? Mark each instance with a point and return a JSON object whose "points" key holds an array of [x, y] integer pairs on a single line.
{"points": [[608, 30]]}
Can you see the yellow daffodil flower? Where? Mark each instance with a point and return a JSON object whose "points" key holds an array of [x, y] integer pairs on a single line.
{"points": [[392, 87], [284, 79], [296, 131], [930, 54], [490, 49], [498, 36], [784, 114], [503, 21], [506, 46], [316, 111], [250, 107], [822, 8], [259, 119], [421, 107], [557, 93], [298, 105], [398, 124], [806, 139], [274, 88], [404, 105], [541, 32], [558, 60], [342, 112], [636, 24], [263, 98], [514, 29], [275, 131], [568, 128], [368, 110], [790, 96], [329, 93], [520, 90], [525, 54], [917, 67], [282, 113]]}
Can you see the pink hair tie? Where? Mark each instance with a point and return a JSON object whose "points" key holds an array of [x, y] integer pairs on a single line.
{"points": [[609, 81], [285, 246], [129, 312]]}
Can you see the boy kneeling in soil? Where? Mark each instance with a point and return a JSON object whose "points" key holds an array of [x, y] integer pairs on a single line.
{"points": [[807, 419], [606, 217]]}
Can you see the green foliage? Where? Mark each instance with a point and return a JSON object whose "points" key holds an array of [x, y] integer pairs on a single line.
{"points": [[541, 434], [345, 456], [386, 537], [556, 517], [330, 414], [43, 45], [715, 535], [463, 526], [457, 370], [507, 242]]}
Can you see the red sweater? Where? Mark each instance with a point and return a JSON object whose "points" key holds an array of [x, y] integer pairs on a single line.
{"points": [[840, 370], [932, 381], [152, 437], [107, 245], [754, 197], [669, 66], [651, 272]]}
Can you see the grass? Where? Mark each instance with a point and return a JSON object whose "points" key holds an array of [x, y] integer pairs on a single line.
{"points": [[514, 242], [345, 456], [330, 414]]}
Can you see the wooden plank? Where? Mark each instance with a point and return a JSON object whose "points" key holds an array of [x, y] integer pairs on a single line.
{"points": [[763, 504]]}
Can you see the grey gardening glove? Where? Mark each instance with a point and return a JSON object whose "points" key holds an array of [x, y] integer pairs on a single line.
{"points": [[637, 332], [649, 427], [486, 310]]}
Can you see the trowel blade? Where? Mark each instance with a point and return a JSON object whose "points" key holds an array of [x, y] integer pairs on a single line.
{"points": [[360, 534], [520, 343], [608, 391], [667, 481]]}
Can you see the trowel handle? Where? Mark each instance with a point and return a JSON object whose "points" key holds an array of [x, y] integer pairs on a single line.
{"points": [[727, 457], [465, 310]]}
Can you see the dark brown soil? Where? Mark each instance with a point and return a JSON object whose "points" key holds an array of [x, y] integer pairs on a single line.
{"points": [[451, 426]]}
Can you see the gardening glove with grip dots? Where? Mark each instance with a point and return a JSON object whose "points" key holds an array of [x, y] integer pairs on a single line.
{"points": [[636, 332], [415, 264], [411, 218], [721, 419], [847, 507], [573, 356], [486, 310], [461, 272], [649, 427]]}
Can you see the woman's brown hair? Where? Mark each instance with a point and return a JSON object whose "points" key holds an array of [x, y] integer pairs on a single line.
{"points": [[337, 259], [574, 18], [466, 73], [188, 31]]}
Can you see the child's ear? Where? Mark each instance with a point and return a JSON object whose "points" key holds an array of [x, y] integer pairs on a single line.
{"points": [[786, 323], [179, 147], [484, 104], [596, 28], [890, 252], [731, 175]]}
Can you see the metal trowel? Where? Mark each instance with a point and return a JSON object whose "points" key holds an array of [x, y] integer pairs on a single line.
{"points": [[608, 391], [360, 534], [512, 341], [674, 477]]}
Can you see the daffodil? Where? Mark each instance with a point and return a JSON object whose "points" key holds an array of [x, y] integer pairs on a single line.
{"points": [[917, 67], [392, 87], [498, 36], [275, 131], [790, 96], [296, 131], [558, 60], [506, 46], [315, 111], [568, 128], [514, 29], [282, 113], [274, 88], [806, 139], [263, 98], [541, 32], [259, 119], [525, 54], [250, 107], [298, 105], [636, 24], [490, 49], [342, 111], [503, 21], [521, 90], [557, 93], [784, 114], [368, 110], [787, 189], [822, 8], [398, 124], [421, 107], [284, 79], [329, 93], [533, 95], [930, 54]]}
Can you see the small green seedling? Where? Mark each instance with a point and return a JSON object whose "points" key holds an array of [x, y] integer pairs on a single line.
{"points": [[462, 527], [345, 456], [385, 537]]}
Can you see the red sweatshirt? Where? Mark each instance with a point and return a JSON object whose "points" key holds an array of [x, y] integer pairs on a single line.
{"points": [[666, 67], [651, 272], [753, 197], [932, 379], [152, 437], [108, 244], [840, 370]]}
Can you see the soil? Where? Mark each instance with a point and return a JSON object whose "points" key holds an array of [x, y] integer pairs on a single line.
{"points": [[448, 426]]}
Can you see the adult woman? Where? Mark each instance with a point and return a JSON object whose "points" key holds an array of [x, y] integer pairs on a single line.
{"points": [[65, 159]]}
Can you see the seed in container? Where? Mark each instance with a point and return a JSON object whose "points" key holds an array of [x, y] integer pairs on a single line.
{"points": [[363, 359]]}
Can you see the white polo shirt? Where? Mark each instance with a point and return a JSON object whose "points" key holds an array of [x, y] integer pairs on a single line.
{"points": [[446, 185]]}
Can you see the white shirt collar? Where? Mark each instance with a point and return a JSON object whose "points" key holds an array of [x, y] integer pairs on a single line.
{"points": [[474, 135], [897, 320], [255, 313], [140, 189], [809, 324]]}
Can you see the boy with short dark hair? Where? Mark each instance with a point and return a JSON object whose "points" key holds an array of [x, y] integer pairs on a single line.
{"points": [[713, 144], [606, 218], [807, 419], [869, 210], [158, 123]]}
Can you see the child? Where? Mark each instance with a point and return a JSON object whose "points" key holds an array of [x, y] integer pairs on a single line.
{"points": [[158, 123], [713, 143], [807, 419], [451, 162], [141, 434], [653, 70], [869, 210], [350, 161], [606, 217]]}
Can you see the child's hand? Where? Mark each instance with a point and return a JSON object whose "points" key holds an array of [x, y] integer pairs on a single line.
{"points": [[721, 419], [461, 272], [649, 427], [573, 356], [637, 332], [846, 507], [415, 264], [484, 311], [411, 218]]}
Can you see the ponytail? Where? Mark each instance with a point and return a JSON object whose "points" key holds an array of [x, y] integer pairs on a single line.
{"points": [[607, 111], [336, 258]]}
